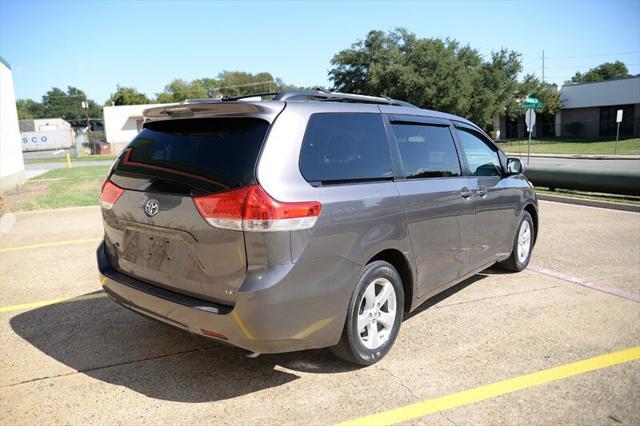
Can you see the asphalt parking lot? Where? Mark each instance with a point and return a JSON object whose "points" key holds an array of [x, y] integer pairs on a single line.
{"points": [[87, 360]]}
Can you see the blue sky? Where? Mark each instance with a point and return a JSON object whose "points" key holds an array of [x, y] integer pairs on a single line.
{"points": [[96, 45]]}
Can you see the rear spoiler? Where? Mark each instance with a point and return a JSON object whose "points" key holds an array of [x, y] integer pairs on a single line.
{"points": [[266, 110]]}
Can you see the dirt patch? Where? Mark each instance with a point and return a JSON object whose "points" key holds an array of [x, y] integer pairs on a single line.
{"points": [[15, 199]]}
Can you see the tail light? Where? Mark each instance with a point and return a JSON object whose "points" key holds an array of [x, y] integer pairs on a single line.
{"points": [[252, 209], [109, 194]]}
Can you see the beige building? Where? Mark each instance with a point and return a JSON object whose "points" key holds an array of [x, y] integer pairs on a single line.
{"points": [[122, 123]]}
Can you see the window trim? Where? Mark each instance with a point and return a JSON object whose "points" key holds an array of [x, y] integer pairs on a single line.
{"points": [[484, 138], [417, 120], [344, 182]]}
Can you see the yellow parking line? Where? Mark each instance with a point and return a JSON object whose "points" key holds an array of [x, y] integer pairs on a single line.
{"points": [[57, 243], [33, 305], [497, 389]]}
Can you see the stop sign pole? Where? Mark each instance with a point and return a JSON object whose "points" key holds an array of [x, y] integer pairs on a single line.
{"points": [[530, 119], [529, 104]]}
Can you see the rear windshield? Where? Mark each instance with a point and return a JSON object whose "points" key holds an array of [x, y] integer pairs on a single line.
{"points": [[192, 156]]}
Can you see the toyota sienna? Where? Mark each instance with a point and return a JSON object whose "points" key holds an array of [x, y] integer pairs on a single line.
{"points": [[312, 219]]}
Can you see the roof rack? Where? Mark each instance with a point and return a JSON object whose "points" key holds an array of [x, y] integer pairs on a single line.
{"points": [[324, 95], [317, 95]]}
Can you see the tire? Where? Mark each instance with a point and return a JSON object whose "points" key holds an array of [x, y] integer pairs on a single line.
{"points": [[363, 347], [517, 261]]}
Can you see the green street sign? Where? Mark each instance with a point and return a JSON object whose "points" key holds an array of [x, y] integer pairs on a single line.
{"points": [[534, 105], [531, 102]]}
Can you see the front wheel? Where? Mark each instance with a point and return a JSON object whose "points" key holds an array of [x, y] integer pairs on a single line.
{"points": [[374, 316], [522, 245]]}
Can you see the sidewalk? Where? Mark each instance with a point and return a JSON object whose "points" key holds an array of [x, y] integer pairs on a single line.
{"points": [[32, 170]]}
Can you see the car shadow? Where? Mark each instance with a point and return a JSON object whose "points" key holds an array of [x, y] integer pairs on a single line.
{"points": [[103, 340], [449, 292]]}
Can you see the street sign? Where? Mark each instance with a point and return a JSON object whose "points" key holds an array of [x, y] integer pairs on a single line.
{"points": [[530, 119], [530, 102], [618, 120]]}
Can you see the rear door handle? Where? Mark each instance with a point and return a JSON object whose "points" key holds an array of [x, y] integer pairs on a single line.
{"points": [[482, 191], [466, 193]]}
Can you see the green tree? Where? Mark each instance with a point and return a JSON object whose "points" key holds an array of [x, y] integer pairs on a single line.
{"points": [[547, 93], [127, 96], [430, 73], [500, 83], [179, 90], [29, 109], [58, 103], [606, 71], [68, 105], [238, 83], [227, 83]]}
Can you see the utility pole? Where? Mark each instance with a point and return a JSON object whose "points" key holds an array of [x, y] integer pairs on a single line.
{"points": [[543, 65], [85, 105]]}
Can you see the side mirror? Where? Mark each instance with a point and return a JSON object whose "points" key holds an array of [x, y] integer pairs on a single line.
{"points": [[514, 166]]}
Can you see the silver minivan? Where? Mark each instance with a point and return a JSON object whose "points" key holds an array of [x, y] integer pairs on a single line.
{"points": [[311, 219]]}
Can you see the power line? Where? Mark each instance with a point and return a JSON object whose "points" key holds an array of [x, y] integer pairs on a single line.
{"points": [[586, 66], [593, 55]]}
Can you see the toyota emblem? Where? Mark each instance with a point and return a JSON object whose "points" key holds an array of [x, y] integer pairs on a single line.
{"points": [[151, 207]]}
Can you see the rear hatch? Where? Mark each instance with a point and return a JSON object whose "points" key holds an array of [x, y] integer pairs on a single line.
{"points": [[154, 231]]}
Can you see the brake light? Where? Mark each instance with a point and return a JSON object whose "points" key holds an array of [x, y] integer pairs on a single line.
{"points": [[252, 209], [109, 194]]}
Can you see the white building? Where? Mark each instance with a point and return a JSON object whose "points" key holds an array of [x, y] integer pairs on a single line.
{"points": [[46, 134], [122, 123], [11, 163]]}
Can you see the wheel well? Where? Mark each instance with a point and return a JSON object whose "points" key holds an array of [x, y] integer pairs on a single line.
{"points": [[400, 262], [529, 208]]}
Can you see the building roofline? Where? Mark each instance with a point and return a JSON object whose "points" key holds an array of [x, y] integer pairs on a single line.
{"points": [[7, 64], [601, 81]]}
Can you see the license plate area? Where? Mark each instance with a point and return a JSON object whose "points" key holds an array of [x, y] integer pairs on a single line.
{"points": [[161, 250]]}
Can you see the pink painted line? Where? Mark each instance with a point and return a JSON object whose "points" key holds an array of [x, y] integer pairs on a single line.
{"points": [[576, 280]]}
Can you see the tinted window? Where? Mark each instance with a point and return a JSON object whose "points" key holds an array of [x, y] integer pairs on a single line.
{"points": [[426, 151], [345, 147], [192, 155], [481, 157]]}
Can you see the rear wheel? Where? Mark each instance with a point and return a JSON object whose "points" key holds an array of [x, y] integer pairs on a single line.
{"points": [[522, 245], [374, 316]]}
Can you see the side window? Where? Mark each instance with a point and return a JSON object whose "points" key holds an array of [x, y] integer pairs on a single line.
{"points": [[345, 147], [481, 157], [426, 151]]}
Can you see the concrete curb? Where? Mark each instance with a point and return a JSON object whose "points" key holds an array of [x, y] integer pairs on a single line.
{"points": [[590, 203], [60, 209]]}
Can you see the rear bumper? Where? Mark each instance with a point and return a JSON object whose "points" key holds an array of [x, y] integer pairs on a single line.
{"points": [[283, 309]]}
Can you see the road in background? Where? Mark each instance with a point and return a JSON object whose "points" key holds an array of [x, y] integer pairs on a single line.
{"points": [[59, 153], [605, 164]]}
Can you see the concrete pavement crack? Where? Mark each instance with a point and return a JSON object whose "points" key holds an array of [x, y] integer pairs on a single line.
{"points": [[399, 381], [448, 419], [118, 364], [497, 296]]}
